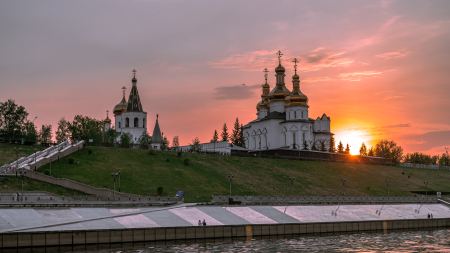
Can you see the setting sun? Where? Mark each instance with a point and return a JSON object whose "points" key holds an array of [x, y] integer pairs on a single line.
{"points": [[354, 138]]}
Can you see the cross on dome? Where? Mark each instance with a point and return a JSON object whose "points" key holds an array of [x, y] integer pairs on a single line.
{"points": [[265, 73], [279, 56], [134, 73], [295, 61]]}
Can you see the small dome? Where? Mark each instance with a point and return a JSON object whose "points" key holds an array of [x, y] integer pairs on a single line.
{"points": [[279, 68], [120, 107]]}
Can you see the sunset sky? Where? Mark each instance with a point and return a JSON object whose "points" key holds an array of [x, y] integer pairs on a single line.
{"points": [[379, 69]]}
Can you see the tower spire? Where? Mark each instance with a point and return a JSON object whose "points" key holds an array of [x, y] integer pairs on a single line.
{"points": [[134, 80], [124, 89]]}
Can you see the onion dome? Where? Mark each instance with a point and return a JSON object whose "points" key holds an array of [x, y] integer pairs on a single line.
{"points": [[279, 91], [121, 107], [296, 97], [107, 120]]}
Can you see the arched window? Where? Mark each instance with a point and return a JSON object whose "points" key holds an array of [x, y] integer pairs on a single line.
{"points": [[127, 122], [136, 121], [120, 125], [144, 122]]}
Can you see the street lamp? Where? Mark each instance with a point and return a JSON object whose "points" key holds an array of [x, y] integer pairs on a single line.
{"points": [[230, 177], [116, 177]]}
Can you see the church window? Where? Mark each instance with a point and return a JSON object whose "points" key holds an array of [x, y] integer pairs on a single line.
{"points": [[120, 125], [136, 121], [127, 122], [144, 123], [302, 115], [294, 144]]}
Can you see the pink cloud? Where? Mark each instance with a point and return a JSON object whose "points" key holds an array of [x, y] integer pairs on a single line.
{"points": [[358, 76], [249, 61], [321, 58], [392, 55]]}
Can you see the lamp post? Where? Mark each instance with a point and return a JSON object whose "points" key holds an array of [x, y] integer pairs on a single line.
{"points": [[116, 177], [230, 177], [425, 183]]}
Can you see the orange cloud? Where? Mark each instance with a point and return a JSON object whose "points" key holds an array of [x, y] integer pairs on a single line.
{"points": [[392, 55], [358, 76]]}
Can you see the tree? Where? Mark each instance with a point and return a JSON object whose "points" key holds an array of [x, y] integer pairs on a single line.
{"points": [[165, 143], [241, 137], [389, 150], [236, 133], [63, 130], [371, 152], [332, 147], [363, 150], [30, 134], [45, 135], [144, 140], [196, 144], [125, 140], [110, 136], [340, 148], [86, 128], [175, 142], [215, 137], [444, 159], [12, 120], [347, 149], [224, 134], [420, 158]]}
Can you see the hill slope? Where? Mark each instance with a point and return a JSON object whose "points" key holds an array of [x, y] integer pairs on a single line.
{"points": [[142, 171]]}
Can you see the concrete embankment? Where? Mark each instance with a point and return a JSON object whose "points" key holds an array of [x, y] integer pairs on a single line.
{"points": [[54, 238]]}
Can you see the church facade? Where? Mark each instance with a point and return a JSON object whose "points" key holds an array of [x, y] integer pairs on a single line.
{"points": [[283, 120], [130, 117]]}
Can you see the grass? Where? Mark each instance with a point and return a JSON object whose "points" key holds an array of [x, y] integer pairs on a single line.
{"points": [[142, 172], [14, 184], [10, 152]]}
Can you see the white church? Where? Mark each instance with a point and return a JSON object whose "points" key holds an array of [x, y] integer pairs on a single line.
{"points": [[283, 121], [130, 118]]}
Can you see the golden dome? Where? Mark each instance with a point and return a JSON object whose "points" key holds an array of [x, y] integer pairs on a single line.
{"points": [[120, 107]]}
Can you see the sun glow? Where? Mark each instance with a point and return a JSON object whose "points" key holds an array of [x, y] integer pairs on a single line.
{"points": [[354, 138]]}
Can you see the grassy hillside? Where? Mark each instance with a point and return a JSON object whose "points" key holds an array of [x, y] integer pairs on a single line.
{"points": [[9, 152], [14, 184], [203, 175]]}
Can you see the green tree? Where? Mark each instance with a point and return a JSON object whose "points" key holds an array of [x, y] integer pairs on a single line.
{"points": [[215, 137], [224, 135], [12, 121], [444, 159], [236, 133], [241, 137], [347, 149], [45, 135], [389, 149], [196, 144], [420, 158], [165, 143], [63, 130], [125, 140], [86, 128], [175, 142], [340, 148], [30, 134], [144, 140], [363, 150], [332, 147]]}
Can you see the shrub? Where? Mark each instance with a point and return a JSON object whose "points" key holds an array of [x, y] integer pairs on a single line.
{"points": [[47, 172], [151, 152], [71, 161], [159, 190], [179, 154], [90, 151], [186, 161], [167, 160]]}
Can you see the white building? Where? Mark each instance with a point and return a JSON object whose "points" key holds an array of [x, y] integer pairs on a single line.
{"points": [[220, 147], [129, 116], [283, 120]]}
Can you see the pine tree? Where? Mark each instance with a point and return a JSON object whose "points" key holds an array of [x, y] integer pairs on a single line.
{"points": [[347, 149], [363, 149], [370, 153], [224, 134], [241, 137], [332, 147], [175, 142], [215, 136], [340, 148], [236, 133], [63, 131]]}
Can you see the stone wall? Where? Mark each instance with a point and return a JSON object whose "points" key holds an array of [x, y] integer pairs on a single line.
{"points": [[86, 237]]}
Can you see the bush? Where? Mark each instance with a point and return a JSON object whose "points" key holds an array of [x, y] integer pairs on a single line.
{"points": [[179, 154], [71, 161], [47, 172], [167, 160], [186, 161], [90, 151], [151, 152], [159, 190]]}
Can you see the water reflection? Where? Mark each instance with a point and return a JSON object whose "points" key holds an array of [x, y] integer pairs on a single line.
{"points": [[401, 241]]}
